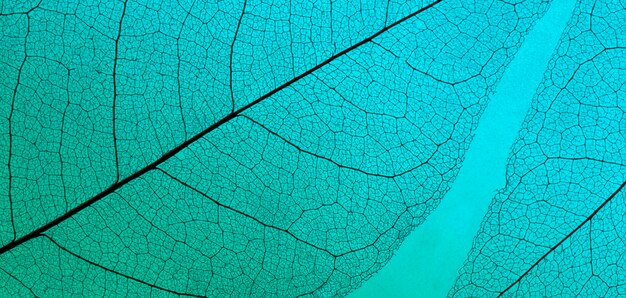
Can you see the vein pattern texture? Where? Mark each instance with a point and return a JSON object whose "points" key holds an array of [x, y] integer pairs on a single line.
{"points": [[233, 148]]}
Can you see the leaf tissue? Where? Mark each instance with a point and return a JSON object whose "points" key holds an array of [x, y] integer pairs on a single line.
{"points": [[284, 148]]}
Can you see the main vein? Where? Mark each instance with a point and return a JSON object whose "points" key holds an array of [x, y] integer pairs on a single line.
{"points": [[111, 189]]}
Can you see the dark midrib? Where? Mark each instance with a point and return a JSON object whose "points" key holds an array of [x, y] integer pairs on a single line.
{"points": [[565, 238], [200, 135]]}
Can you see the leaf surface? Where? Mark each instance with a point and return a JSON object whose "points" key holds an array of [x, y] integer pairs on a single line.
{"points": [[233, 148]]}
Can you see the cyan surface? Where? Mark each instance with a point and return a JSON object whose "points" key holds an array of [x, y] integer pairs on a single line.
{"points": [[557, 228], [427, 263]]}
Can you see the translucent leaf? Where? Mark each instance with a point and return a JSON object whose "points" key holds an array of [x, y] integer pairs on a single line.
{"points": [[233, 148]]}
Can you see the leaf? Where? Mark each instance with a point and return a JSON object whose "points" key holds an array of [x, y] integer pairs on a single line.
{"points": [[233, 149], [556, 229]]}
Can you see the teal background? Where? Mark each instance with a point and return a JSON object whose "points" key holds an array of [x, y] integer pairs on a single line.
{"points": [[556, 229]]}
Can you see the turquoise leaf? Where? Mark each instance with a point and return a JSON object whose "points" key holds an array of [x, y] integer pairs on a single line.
{"points": [[235, 148]]}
